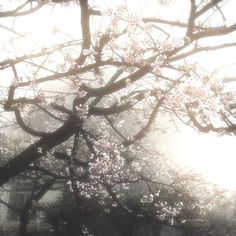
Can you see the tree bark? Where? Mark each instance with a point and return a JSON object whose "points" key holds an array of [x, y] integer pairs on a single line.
{"points": [[24, 220], [37, 150]]}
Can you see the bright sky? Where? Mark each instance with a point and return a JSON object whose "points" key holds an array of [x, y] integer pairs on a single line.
{"points": [[211, 155]]}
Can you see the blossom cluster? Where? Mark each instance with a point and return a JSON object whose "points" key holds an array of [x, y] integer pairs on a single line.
{"points": [[205, 96]]}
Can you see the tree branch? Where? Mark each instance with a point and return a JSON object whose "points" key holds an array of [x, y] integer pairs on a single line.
{"points": [[20, 162], [191, 21], [208, 6], [17, 12], [25, 127]]}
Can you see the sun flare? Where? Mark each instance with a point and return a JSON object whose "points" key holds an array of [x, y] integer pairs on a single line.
{"points": [[210, 155]]}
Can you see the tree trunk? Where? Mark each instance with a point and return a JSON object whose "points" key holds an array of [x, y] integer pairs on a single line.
{"points": [[24, 220]]}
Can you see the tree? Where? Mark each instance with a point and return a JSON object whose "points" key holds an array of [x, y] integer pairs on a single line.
{"points": [[123, 78], [135, 66]]}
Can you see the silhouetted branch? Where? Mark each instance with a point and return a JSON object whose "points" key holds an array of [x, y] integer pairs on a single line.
{"points": [[19, 12]]}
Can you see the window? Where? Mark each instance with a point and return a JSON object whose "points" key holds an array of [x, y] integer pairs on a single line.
{"points": [[17, 200], [20, 193]]}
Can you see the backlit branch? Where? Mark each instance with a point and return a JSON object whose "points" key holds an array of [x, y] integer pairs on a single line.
{"points": [[20, 12], [191, 21]]}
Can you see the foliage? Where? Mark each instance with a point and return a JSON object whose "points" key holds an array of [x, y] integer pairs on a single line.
{"points": [[68, 218]]}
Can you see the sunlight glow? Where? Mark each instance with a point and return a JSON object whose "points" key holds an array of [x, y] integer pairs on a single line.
{"points": [[211, 155]]}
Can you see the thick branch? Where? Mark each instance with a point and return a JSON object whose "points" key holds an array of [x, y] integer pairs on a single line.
{"points": [[191, 21], [111, 88], [214, 32], [209, 128], [37, 150], [208, 6], [25, 127], [85, 17], [116, 109], [85, 24]]}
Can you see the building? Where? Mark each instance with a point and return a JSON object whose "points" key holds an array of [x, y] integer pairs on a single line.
{"points": [[13, 197]]}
